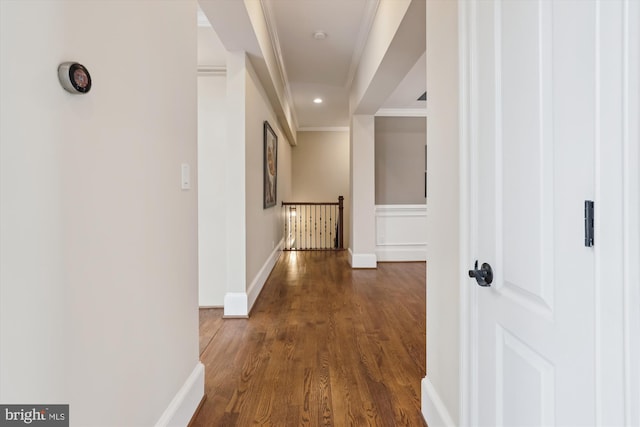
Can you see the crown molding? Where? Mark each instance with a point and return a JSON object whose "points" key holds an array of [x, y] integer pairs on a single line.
{"points": [[361, 41], [325, 129], [401, 112], [275, 42]]}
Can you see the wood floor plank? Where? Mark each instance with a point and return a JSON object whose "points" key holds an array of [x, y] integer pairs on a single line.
{"points": [[210, 322], [325, 345]]}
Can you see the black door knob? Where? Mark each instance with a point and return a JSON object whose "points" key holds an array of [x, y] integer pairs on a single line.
{"points": [[484, 276]]}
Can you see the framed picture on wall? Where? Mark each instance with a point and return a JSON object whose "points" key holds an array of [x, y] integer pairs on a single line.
{"points": [[270, 166]]}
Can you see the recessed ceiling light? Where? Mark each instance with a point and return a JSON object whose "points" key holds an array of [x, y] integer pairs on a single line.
{"points": [[317, 101], [319, 35]]}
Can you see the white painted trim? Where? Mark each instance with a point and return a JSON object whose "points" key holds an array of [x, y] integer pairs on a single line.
{"points": [[401, 254], [261, 278], [434, 411], [415, 246], [627, 203], [212, 70], [466, 384], [186, 401], [611, 198], [236, 304], [394, 249], [401, 112], [363, 35], [468, 304], [401, 210], [597, 249], [324, 129], [631, 209], [275, 42], [362, 260]]}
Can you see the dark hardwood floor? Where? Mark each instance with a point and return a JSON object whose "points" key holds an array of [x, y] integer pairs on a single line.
{"points": [[324, 345]]}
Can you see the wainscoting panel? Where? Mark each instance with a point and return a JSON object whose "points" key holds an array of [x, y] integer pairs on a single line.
{"points": [[401, 232]]}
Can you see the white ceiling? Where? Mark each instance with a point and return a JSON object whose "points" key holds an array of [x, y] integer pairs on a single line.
{"points": [[319, 68], [410, 88]]}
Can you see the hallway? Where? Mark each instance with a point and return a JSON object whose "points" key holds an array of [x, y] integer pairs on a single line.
{"points": [[325, 345]]}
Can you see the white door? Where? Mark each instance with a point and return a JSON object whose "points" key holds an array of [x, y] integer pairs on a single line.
{"points": [[532, 115]]}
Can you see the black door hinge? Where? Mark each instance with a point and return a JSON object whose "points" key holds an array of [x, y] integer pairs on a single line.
{"points": [[588, 223]]}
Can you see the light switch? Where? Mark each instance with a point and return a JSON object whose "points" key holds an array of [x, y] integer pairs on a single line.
{"points": [[186, 176]]}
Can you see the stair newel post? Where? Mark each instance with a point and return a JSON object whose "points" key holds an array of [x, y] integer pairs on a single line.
{"points": [[341, 221]]}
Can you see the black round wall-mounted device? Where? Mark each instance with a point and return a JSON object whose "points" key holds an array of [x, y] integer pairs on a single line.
{"points": [[74, 77]]}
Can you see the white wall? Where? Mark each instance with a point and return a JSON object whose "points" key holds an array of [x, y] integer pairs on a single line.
{"points": [[264, 226], [399, 188], [98, 244], [212, 253], [400, 163], [381, 68], [321, 170], [235, 299], [441, 388], [275, 79], [394, 44], [254, 234], [362, 242], [401, 233]]}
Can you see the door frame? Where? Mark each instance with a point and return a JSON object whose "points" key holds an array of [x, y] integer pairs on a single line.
{"points": [[622, 161], [631, 208], [468, 296]]}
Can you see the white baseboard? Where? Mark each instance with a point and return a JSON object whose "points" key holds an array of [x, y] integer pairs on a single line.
{"points": [[434, 411], [239, 304], [257, 284], [235, 304], [186, 401], [401, 253], [362, 260]]}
